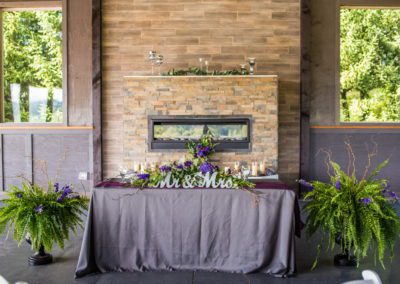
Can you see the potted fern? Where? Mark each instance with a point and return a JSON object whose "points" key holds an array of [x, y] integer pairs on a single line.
{"points": [[356, 214], [42, 217]]}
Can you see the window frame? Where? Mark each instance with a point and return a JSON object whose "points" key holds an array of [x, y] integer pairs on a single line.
{"points": [[357, 4], [23, 5]]}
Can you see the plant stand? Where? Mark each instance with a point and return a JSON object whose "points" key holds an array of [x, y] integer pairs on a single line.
{"points": [[344, 259], [40, 258]]}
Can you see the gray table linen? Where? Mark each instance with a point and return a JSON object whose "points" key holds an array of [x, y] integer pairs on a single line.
{"points": [[189, 229]]}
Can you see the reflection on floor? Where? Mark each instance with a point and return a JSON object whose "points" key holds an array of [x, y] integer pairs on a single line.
{"points": [[14, 267]]}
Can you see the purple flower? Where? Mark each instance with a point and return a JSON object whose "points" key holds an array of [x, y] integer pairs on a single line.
{"points": [[386, 189], [180, 167], [188, 164], [393, 195], [203, 152], [143, 176], [306, 184], [366, 201], [56, 187], [338, 185], [206, 168], [165, 168], [39, 209], [66, 190]]}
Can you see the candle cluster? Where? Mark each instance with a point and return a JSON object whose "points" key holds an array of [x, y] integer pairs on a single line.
{"points": [[254, 168]]}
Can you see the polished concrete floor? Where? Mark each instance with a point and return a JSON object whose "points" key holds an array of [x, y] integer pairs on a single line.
{"points": [[14, 267]]}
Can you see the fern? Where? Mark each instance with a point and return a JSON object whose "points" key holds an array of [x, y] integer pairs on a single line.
{"points": [[45, 216], [360, 211]]}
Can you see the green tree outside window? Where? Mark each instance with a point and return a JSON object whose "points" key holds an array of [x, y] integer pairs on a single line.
{"points": [[370, 65], [32, 50]]}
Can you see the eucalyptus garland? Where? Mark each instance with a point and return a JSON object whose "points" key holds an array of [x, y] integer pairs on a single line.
{"points": [[201, 72]]}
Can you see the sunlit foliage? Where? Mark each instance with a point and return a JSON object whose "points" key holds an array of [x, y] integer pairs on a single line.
{"points": [[370, 65]]}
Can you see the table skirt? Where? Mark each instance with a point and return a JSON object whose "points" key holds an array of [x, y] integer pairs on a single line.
{"points": [[190, 229]]}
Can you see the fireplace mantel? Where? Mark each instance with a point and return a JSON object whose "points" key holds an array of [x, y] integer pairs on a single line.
{"points": [[208, 76], [254, 96]]}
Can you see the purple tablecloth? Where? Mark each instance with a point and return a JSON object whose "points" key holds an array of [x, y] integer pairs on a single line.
{"points": [[190, 229]]}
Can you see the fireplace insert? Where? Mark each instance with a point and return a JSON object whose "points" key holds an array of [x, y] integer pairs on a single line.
{"points": [[232, 133]]}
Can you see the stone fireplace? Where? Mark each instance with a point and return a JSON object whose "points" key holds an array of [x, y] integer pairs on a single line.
{"points": [[182, 108]]}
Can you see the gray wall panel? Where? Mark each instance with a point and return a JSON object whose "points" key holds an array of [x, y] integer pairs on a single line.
{"points": [[387, 144], [64, 155], [17, 159]]}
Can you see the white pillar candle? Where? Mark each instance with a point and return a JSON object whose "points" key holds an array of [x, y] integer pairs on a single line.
{"points": [[136, 167], [237, 167], [254, 169], [142, 167], [262, 168]]}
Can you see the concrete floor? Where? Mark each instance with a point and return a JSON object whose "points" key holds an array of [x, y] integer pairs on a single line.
{"points": [[14, 267]]}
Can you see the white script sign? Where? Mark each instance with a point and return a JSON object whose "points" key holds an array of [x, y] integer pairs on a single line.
{"points": [[198, 180]]}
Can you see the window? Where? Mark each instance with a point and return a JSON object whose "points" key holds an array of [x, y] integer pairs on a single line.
{"points": [[32, 66], [370, 65]]}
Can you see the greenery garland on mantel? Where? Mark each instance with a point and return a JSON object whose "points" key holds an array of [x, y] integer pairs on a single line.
{"points": [[196, 71]]}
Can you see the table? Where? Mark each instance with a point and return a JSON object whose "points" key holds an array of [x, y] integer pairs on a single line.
{"points": [[225, 230]]}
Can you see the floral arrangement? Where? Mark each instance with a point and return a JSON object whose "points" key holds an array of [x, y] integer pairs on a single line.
{"points": [[44, 216], [357, 214], [193, 170]]}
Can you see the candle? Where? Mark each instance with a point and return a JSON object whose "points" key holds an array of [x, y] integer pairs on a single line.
{"points": [[254, 169], [237, 167], [262, 168], [143, 167], [153, 166], [136, 167], [227, 170]]}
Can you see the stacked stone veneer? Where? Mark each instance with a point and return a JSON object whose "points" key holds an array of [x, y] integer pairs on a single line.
{"points": [[224, 32], [226, 95]]}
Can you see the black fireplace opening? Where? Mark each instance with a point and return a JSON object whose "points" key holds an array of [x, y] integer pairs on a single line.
{"points": [[231, 133]]}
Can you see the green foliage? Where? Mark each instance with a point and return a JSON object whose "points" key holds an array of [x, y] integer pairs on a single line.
{"points": [[360, 211], [201, 72], [370, 65], [206, 141], [199, 154], [46, 217], [32, 57]]}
